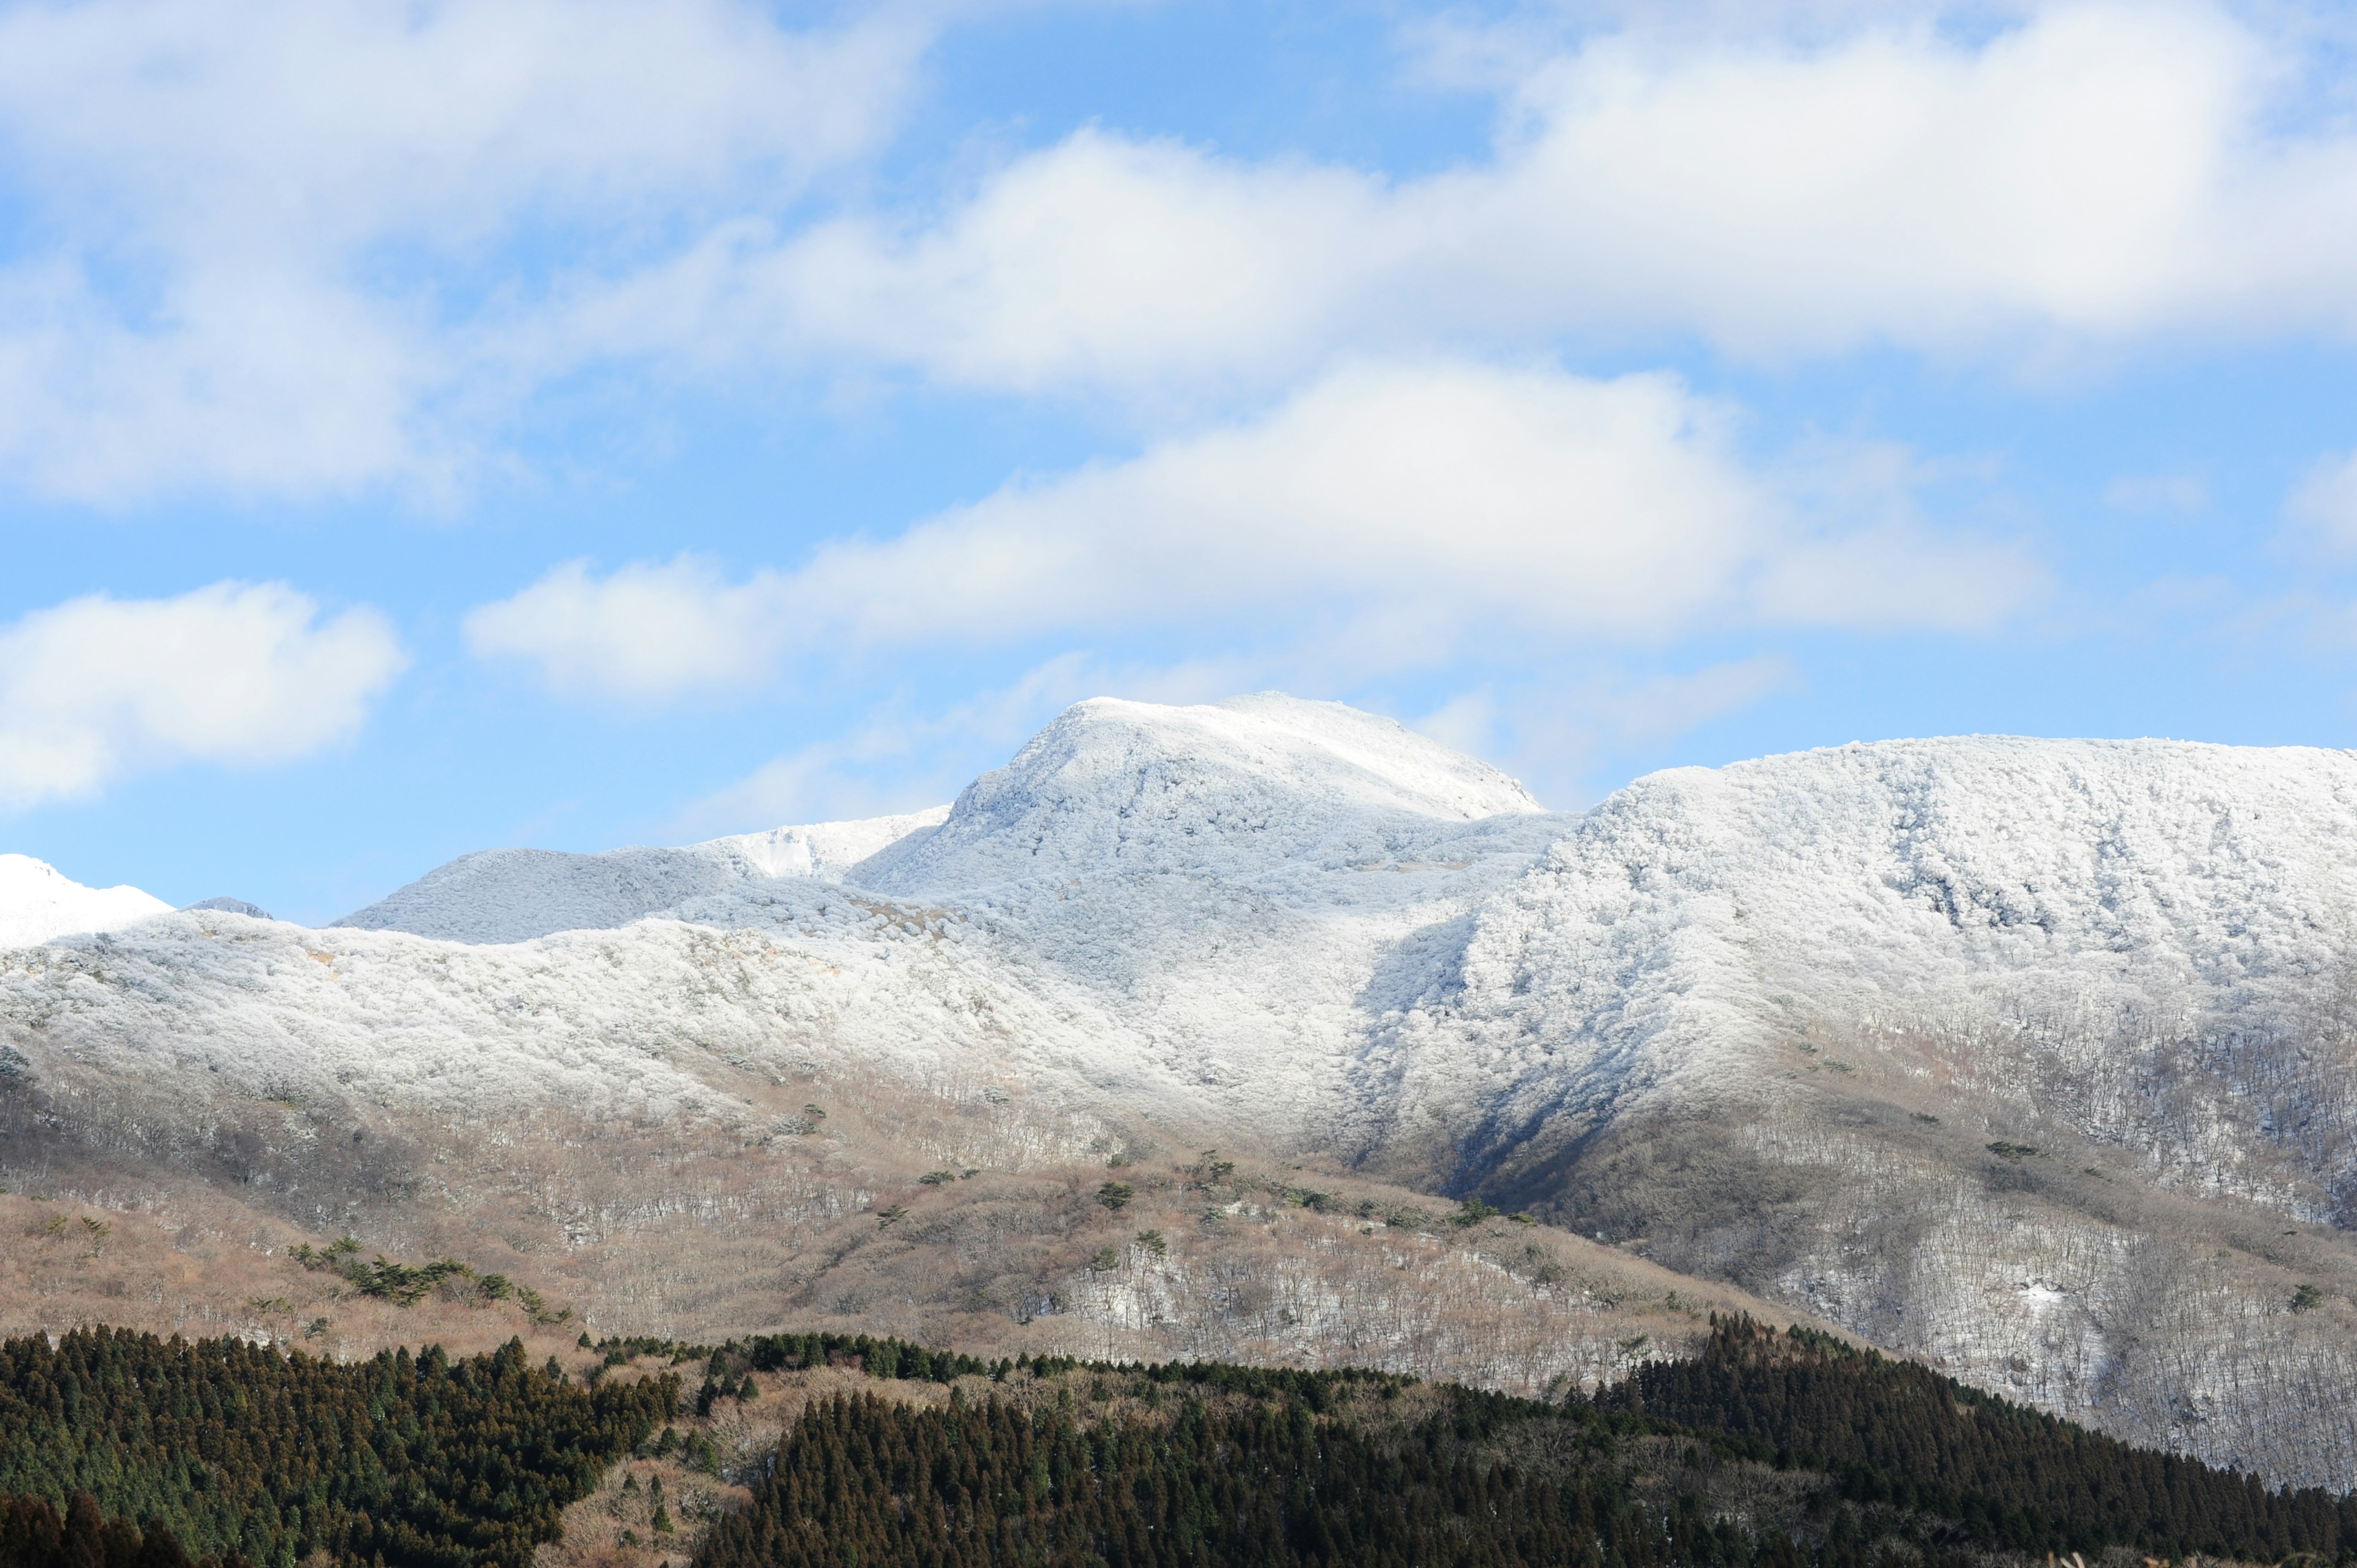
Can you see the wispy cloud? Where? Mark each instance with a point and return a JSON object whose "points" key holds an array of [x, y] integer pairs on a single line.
{"points": [[2143, 495], [2322, 510], [1552, 734]]}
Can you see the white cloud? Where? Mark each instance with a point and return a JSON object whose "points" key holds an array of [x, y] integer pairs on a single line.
{"points": [[306, 245], [240, 674], [284, 244], [640, 634], [1467, 722], [1434, 506], [2323, 510], [1390, 516], [2092, 173], [897, 758], [1421, 493]]}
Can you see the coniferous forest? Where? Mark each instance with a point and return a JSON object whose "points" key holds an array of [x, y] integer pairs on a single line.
{"points": [[118, 1448], [1772, 1450]]}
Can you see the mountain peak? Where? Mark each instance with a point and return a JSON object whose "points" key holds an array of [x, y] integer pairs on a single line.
{"points": [[39, 902], [1114, 782]]}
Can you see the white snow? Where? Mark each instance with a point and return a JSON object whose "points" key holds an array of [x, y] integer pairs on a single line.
{"points": [[2079, 893], [823, 850], [1199, 908], [1314, 919], [1318, 923], [513, 895], [1235, 788], [38, 903]]}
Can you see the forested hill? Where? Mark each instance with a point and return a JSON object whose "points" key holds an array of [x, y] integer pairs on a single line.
{"points": [[1773, 1450], [1895, 1431], [231, 1450]]}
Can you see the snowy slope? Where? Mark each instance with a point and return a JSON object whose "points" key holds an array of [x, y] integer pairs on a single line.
{"points": [[1201, 906], [2074, 893], [823, 850], [1269, 894], [660, 1019], [1240, 884], [514, 895], [1248, 789], [1314, 917], [38, 903], [2035, 1057]]}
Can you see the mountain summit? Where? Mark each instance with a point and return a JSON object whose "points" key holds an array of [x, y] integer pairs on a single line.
{"points": [[1231, 788], [39, 904]]}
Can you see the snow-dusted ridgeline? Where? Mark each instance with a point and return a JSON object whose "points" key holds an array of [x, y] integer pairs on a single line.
{"points": [[514, 895], [2077, 895]]}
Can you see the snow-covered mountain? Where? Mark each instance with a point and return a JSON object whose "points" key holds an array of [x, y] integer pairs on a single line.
{"points": [[514, 895], [39, 904], [2076, 897], [2038, 1058], [1259, 789]]}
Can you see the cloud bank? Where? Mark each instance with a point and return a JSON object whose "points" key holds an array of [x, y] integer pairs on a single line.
{"points": [[2092, 175], [298, 248], [1406, 513]]}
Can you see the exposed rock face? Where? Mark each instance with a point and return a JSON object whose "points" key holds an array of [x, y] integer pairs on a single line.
{"points": [[2031, 1056]]}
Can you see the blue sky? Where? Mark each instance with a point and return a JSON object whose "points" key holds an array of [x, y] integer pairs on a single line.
{"points": [[430, 426]]}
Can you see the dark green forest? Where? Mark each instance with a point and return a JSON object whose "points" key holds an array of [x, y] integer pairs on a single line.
{"points": [[1770, 1450], [1894, 1431], [867, 1482], [222, 1449]]}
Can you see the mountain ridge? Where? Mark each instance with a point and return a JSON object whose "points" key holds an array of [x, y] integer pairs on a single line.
{"points": [[2014, 1054]]}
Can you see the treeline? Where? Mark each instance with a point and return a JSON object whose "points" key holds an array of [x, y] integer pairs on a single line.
{"points": [[229, 1450], [896, 1359], [1773, 1450], [1897, 1432], [869, 1482], [1879, 1462]]}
